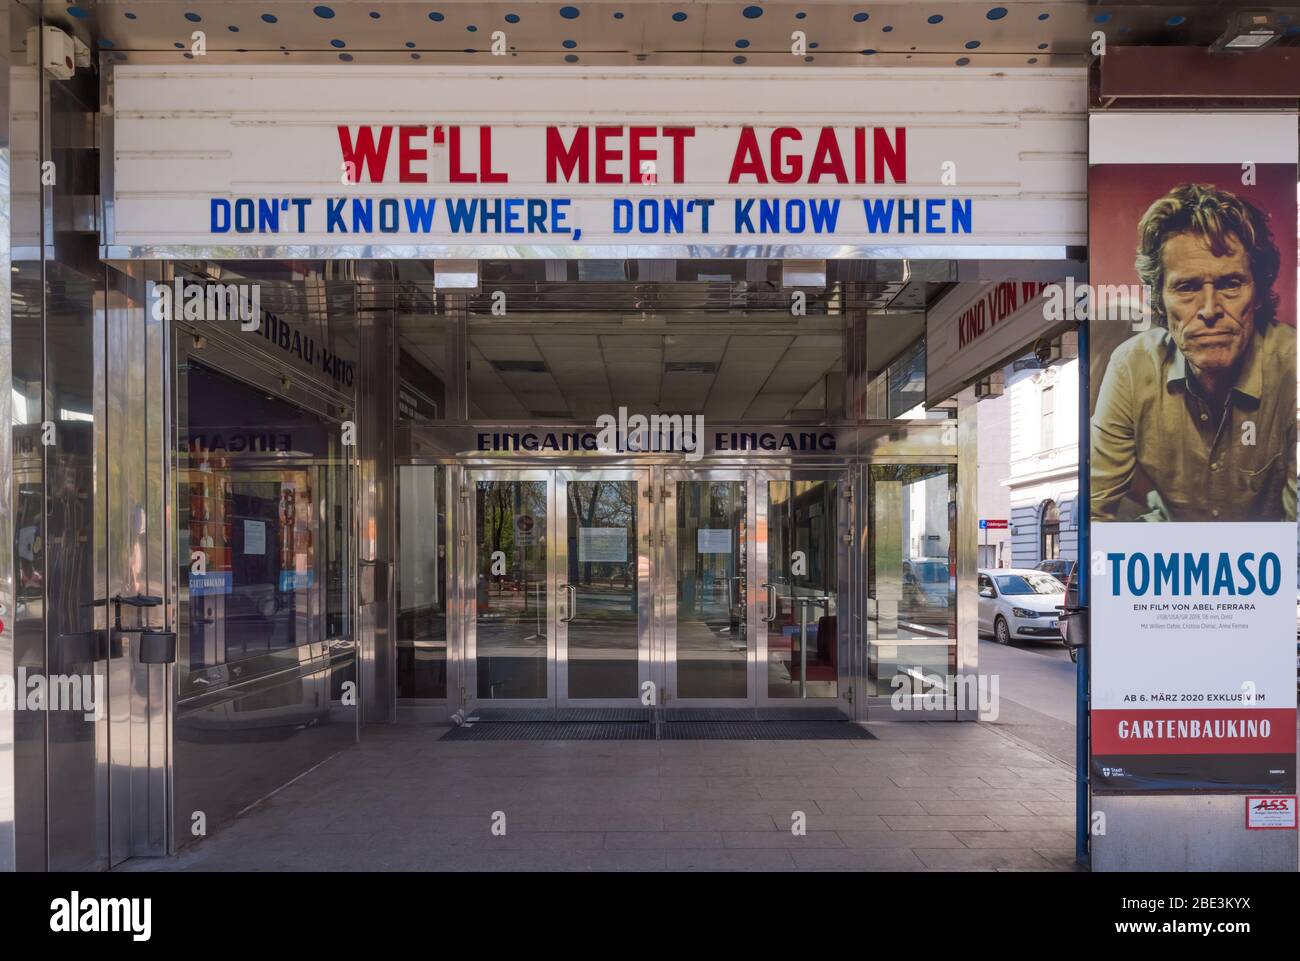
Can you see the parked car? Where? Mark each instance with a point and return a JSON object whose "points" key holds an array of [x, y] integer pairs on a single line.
{"points": [[1020, 603], [926, 584], [1057, 567]]}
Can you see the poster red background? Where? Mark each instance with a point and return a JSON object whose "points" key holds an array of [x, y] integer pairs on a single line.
{"points": [[1118, 196]]}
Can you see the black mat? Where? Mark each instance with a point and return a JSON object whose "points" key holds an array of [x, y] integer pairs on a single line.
{"points": [[765, 731], [550, 731], [563, 715], [678, 729]]}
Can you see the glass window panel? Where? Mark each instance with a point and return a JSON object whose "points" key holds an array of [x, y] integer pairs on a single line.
{"points": [[712, 570], [256, 526], [511, 595], [603, 618], [803, 637], [911, 579], [421, 583]]}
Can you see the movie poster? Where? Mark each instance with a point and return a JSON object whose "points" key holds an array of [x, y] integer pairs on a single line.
{"points": [[1192, 474]]}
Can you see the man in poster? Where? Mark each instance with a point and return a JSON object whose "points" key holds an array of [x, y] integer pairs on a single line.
{"points": [[1195, 419]]}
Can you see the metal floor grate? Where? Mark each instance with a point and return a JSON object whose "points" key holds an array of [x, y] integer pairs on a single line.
{"points": [[551, 731], [563, 715], [675, 715], [694, 724], [765, 731]]}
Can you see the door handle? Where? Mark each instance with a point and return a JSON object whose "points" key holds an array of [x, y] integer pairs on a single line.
{"points": [[572, 593], [770, 617]]}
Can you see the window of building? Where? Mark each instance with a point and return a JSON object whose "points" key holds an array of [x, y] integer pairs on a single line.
{"points": [[1049, 547], [1048, 405]]}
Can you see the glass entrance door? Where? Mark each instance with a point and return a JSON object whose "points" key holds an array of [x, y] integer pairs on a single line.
{"points": [[603, 586], [562, 588], [753, 569], [804, 538], [737, 574], [709, 640], [510, 651]]}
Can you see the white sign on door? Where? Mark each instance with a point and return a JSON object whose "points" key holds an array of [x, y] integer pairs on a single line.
{"points": [[602, 544]]}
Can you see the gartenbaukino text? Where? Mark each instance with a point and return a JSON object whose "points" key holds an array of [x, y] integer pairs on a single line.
{"points": [[1185, 573]]}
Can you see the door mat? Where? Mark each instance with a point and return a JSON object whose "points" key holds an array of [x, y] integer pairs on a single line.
{"points": [[677, 730]]}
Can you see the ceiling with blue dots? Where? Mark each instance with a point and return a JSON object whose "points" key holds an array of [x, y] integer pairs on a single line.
{"points": [[973, 33]]}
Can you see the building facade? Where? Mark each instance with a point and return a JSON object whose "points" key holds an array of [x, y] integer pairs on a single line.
{"points": [[1043, 472], [351, 376]]}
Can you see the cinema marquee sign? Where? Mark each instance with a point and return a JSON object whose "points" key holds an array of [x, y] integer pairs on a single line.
{"points": [[336, 157]]}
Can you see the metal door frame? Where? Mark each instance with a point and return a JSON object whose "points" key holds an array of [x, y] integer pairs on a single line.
{"points": [[666, 632], [647, 578], [842, 476], [469, 560]]}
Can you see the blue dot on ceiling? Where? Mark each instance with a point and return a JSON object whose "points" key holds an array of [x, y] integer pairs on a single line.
{"points": [[934, 18], [324, 12], [570, 44], [752, 13], [738, 59], [130, 16], [1043, 16], [374, 14], [1042, 46], [512, 18], [963, 61], [570, 13], [570, 58], [410, 43], [800, 15], [1102, 18], [78, 12], [618, 14], [338, 43], [887, 28], [860, 17], [997, 13], [679, 16], [436, 17], [178, 45], [972, 44], [472, 29], [188, 56], [270, 18], [193, 18], [1033, 60], [868, 53], [345, 57], [233, 29], [415, 56], [742, 44], [1176, 20]]}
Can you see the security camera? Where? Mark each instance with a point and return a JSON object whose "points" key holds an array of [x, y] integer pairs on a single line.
{"points": [[1046, 350]]}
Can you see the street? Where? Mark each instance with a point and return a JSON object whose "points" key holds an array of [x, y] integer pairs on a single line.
{"points": [[1036, 686]]}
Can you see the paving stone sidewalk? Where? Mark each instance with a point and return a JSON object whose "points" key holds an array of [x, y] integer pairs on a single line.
{"points": [[924, 796]]}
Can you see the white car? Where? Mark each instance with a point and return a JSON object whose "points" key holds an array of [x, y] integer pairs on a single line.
{"points": [[1020, 603]]}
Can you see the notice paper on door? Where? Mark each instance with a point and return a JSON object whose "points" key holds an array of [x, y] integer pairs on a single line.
{"points": [[254, 537], [709, 541], [602, 544]]}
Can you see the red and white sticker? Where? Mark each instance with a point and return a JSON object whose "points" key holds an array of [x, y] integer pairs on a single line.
{"points": [[1270, 812]]}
